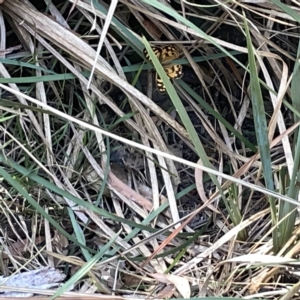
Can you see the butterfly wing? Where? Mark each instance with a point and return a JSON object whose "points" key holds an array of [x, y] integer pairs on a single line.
{"points": [[174, 71], [165, 55], [157, 51], [168, 54]]}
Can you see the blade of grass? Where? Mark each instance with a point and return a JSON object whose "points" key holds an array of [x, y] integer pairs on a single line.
{"points": [[261, 130], [286, 227], [84, 269], [211, 111], [291, 12], [22, 64], [181, 61], [109, 16], [122, 30], [190, 128], [126, 69], [79, 233], [179, 106], [46, 78]]}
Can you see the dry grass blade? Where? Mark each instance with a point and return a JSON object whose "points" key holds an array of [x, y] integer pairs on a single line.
{"points": [[108, 19], [108, 148]]}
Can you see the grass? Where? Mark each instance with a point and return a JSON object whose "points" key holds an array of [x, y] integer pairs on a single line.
{"points": [[129, 192]]}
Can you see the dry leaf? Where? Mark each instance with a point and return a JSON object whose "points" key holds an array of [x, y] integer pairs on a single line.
{"points": [[182, 284], [130, 280], [60, 243]]}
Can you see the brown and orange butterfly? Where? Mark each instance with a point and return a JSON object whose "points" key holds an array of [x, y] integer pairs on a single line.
{"points": [[166, 55]]}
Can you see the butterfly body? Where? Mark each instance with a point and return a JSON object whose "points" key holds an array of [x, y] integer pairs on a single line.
{"points": [[166, 55]]}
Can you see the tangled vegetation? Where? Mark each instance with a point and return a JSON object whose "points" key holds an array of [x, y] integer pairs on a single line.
{"points": [[150, 149]]}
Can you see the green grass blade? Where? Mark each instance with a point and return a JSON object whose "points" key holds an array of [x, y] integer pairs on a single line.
{"points": [[189, 126], [286, 227], [211, 111], [181, 61], [79, 234], [261, 129], [178, 105], [46, 78], [13, 62], [291, 12], [84, 269]]}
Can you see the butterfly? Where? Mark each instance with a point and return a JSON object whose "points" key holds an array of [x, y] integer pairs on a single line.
{"points": [[166, 55]]}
